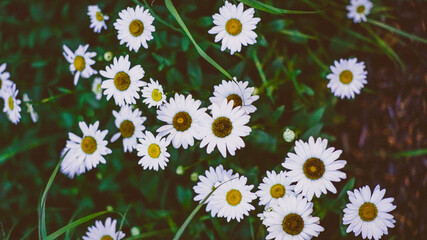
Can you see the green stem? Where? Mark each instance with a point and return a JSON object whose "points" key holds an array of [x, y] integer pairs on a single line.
{"points": [[398, 31]]}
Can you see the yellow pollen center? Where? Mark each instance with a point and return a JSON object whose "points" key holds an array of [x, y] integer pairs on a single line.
{"points": [[346, 77], [122, 81], [222, 127], [127, 128], [293, 224], [106, 237], [0, 83], [234, 197], [156, 95], [277, 191], [182, 121], [79, 63], [233, 26], [237, 100], [99, 16], [88, 145], [154, 150], [368, 212], [98, 87], [313, 168], [360, 9], [136, 27], [11, 103]]}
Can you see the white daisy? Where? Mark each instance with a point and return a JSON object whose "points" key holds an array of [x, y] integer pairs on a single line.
{"points": [[135, 27], [347, 78], [153, 151], [153, 94], [358, 9], [123, 82], [261, 216], [291, 219], [232, 199], [368, 213], [97, 18], [96, 88], [225, 128], [11, 103], [183, 117], [314, 167], [130, 124], [274, 187], [234, 27], [80, 62], [236, 91], [85, 153], [30, 108], [4, 79], [104, 232]]}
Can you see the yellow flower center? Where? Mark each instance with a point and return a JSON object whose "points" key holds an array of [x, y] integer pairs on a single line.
{"points": [[122, 81], [99, 16], [0, 83], [360, 9], [346, 77], [11, 103], [98, 87], [154, 150], [368, 212], [156, 95], [233, 27], [79, 63], [277, 191], [106, 237], [293, 224], [127, 128], [234, 197], [222, 127], [182, 121], [88, 145], [136, 27], [237, 100], [313, 168]]}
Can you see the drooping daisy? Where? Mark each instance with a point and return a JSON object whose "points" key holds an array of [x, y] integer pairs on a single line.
{"points": [[314, 167], [153, 94], [130, 124], [183, 117], [234, 27], [30, 108], [97, 18], [85, 153], [4, 79], [291, 218], [274, 187], [135, 27], [123, 82], [11, 104], [369, 214], [104, 232], [96, 88], [347, 78], [236, 91], [153, 151], [232, 199], [225, 128], [358, 9], [80, 62]]}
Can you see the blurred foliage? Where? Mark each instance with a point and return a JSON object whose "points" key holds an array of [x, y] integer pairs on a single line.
{"points": [[288, 65]]}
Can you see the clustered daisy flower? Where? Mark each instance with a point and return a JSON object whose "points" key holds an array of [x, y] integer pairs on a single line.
{"points": [[30, 109], [80, 62], [105, 231], [153, 94], [358, 9], [153, 152], [130, 125], [274, 187], [11, 104], [96, 88], [97, 18]]}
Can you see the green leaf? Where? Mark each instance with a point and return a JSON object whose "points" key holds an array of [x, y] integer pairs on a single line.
{"points": [[316, 116], [273, 10], [411, 153], [397, 31], [348, 186], [313, 131]]}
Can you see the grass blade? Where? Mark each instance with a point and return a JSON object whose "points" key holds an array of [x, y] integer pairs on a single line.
{"points": [[397, 31], [273, 10]]}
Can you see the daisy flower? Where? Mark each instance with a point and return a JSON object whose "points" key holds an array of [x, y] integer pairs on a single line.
{"points": [[4, 79], [96, 88], [183, 117], [368, 213], [291, 218], [104, 232], [97, 18], [135, 27], [123, 82], [358, 9], [80, 62], [153, 94], [130, 124], [30, 108], [236, 91], [85, 153], [232, 199], [347, 78], [314, 167], [11, 103], [153, 151], [225, 128], [274, 187], [234, 27]]}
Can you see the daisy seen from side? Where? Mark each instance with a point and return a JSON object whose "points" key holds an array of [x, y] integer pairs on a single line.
{"points": [[97, 18], [153, 152], [80, 62], [130, 125], [30, 109], [274, 187], [4, 79], [96, 88], [358, 10], [11, 104], [105, 231], [153, 94]]}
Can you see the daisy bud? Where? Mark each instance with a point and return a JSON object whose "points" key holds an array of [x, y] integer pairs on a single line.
{"points": [[180, 170], [110, 208], [135, 231], [194, 177], [288, 135], [108, 56]]}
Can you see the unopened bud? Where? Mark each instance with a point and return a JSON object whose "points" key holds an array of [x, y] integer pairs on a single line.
{"points": [[108, 56], [194, 177], [135, 231], [180, 170], [288, 135]]}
